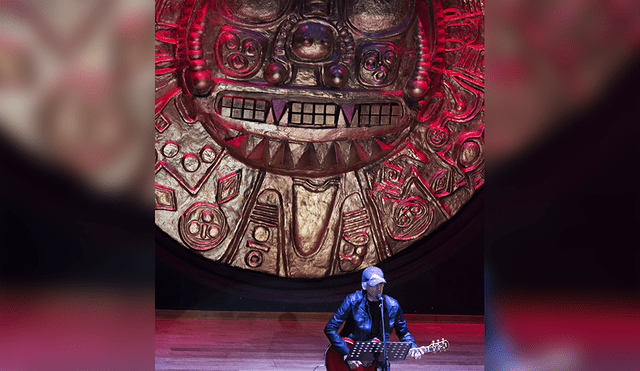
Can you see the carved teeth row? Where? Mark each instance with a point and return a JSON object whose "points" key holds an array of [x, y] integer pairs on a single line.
{"points": [[313, 155], [378, 114], [309, 114], [313, 115], [244, 108]]}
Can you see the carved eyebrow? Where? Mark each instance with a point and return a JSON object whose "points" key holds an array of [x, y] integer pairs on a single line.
{"points": [[376, 16], [254, 11]]}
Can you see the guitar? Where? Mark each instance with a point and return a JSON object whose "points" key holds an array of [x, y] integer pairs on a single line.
{"points": [[333, 361]]}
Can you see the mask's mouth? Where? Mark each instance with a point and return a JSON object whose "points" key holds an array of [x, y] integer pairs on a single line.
{"points": [[308, 135]]}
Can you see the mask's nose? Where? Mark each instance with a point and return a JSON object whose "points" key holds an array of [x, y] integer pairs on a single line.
{"points": [[313, 42], [314, 47]]}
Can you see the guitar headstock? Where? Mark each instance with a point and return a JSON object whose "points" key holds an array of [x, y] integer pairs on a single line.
{"points": [[435, 346]]}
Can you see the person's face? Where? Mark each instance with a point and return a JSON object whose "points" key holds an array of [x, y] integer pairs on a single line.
{"points": [[374, 291]]}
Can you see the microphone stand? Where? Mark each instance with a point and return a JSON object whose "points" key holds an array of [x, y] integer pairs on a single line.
{"points": [[384, 336]]}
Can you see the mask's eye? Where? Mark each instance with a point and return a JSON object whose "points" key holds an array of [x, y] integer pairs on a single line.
{"points": [[370, 61], [390, 58], [251, 48], [253, 11], [375, 16], [231, 41]]}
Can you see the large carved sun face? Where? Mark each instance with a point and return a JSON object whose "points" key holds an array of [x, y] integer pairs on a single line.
{"points": [[310, 138], [308, 88]]}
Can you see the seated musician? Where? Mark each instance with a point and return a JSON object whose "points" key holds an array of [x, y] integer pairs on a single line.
{"points": [[360, 313]]}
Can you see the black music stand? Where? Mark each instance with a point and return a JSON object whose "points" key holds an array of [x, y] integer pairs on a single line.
{"points": [[369, 351]]}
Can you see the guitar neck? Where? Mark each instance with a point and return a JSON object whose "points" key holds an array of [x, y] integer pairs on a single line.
{"points": [[434, 346], [427, 349]]}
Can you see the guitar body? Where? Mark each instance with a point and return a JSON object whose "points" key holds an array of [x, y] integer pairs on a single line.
{"points": [[333, 361]]}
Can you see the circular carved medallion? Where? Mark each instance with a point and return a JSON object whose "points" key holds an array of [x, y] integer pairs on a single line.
{"points": [[307, 139]]}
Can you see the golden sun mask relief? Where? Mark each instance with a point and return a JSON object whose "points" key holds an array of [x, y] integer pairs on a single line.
{"points": [[310, 138]]}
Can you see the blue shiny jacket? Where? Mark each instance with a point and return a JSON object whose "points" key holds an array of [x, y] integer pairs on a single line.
{"points": [[354, 312]]}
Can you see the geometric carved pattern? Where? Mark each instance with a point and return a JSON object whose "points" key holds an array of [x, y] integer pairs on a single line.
{"points": [[228, 187], [356, 233], [186, 151], [203, 226], [165, 198], [262, 246]]}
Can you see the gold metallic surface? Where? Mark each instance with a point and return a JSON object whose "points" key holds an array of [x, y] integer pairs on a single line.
{"points": [[310, 141]]}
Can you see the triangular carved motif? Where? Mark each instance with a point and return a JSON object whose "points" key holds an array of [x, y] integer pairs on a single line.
{"points": [[309, 159], [343, 149], [278, 108], [297, 150], [363, 146], [237, 141], [256, 152], [321, 148], [334, 157], [354, 154], [347, 109], [249, 144], [276, 151]]}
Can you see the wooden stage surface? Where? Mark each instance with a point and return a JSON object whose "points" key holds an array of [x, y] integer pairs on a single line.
{"points": [[268, 341]]}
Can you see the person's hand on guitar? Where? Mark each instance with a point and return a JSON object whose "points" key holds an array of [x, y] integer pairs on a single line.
{"points": [[352, 364], [415, 353]]}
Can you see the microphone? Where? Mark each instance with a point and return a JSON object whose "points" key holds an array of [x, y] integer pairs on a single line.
{"points": [[380, 297]]}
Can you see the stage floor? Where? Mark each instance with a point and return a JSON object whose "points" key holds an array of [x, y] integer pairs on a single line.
{"points": [[267, 341]]}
